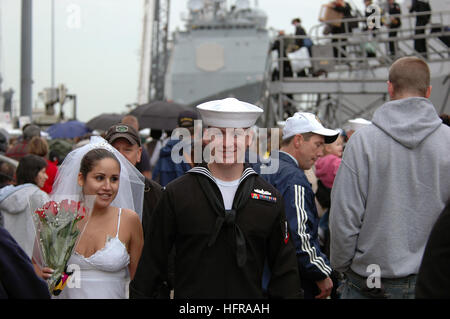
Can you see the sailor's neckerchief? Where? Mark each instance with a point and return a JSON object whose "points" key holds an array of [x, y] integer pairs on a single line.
{"points": [[228, 217]]}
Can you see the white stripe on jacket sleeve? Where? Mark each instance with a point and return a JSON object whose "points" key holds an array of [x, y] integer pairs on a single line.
{"points": [[302, 218]]}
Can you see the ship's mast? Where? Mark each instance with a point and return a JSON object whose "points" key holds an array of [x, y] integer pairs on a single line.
{"points": [[154, 50], [144, 69], [159, 54]]}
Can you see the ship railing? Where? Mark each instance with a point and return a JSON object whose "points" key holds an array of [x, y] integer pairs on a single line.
{"points": [[436, 17], [366, 49], [339, 65]]}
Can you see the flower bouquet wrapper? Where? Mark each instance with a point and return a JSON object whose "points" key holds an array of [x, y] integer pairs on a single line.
{"points": [[58, 225]]}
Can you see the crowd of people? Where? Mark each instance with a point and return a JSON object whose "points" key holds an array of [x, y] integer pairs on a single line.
{"points": [[371, 225]]}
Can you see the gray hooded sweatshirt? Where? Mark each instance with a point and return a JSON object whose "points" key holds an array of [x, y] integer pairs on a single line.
{"points": [[390, 188], [15, 206]]}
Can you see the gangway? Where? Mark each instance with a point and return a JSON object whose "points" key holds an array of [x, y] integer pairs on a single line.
{"points": [[349, 83]]}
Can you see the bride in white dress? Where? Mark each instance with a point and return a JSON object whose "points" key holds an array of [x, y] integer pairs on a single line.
{"points": [[108, 251]]}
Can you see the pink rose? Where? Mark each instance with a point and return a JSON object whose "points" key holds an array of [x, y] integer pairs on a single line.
{"points": [[73, 207], [51, 207], [65, 205]]}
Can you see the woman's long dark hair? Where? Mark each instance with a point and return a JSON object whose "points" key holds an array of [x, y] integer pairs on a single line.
{"points": [[28, 169]]}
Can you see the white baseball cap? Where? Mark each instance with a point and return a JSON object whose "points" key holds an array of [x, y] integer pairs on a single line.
{"points": [[229, 112], [303, 122]]}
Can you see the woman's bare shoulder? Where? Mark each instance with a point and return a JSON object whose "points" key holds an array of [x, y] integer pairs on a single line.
{"points": [[130, 216]]}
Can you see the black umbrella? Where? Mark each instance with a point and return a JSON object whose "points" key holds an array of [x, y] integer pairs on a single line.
{"points": [[159, 115], [104, 121]]}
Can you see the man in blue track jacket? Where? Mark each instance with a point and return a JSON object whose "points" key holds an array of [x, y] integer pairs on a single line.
{"points": [[303, 140]]}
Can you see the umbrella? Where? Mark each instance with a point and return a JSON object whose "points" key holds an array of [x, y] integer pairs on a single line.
{"points": [[104, 121], [159, 115], [68, 129]]}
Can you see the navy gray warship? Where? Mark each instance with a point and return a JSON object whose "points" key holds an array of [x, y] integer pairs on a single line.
{"points": [[221, 53]]}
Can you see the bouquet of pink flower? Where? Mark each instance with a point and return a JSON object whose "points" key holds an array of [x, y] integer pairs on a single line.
{"points": [[58, 231]]}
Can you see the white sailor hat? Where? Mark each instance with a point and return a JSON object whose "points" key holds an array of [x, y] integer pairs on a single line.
{"points": [[303, 122], [229, 112]]}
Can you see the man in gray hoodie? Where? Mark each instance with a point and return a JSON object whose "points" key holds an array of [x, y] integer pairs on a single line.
{"points": [[391, 186]]}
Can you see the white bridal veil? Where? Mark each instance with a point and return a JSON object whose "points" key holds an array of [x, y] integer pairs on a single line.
{"points": [[131, 188]]}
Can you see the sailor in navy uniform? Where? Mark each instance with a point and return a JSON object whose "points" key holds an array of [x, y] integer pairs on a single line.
{"points": [[224, 220]]}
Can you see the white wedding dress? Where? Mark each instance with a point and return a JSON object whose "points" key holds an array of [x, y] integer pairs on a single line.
{"points": [[103, 275]]}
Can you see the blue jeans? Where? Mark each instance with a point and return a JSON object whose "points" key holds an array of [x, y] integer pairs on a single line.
{"points": [[355, 287]]}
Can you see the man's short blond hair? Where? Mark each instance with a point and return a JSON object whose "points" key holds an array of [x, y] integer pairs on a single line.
{"points": [[410, 75]]}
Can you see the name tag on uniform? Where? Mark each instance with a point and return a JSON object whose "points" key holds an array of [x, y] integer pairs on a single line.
{"points": [[267, 198]]}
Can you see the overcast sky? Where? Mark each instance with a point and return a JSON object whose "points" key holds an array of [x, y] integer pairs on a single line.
{"points": [[97, 50]]}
